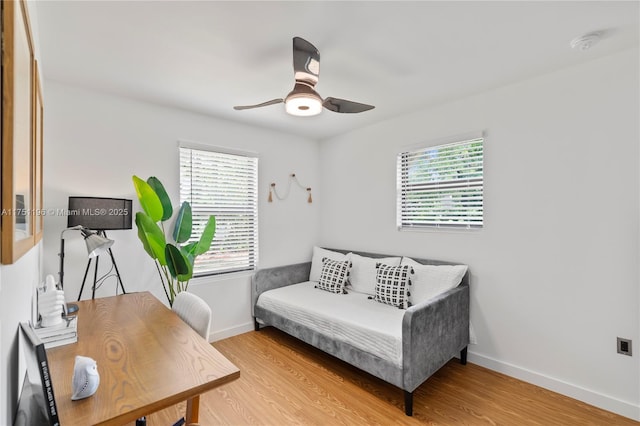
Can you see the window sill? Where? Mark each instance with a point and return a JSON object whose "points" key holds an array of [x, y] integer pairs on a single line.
{"points": [[207, 279]]}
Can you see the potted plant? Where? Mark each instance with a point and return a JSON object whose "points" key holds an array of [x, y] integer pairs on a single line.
{"points": [[174, 256]]}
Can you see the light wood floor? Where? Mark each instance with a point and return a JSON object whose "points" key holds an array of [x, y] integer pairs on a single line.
{"points": [[284, 381]]}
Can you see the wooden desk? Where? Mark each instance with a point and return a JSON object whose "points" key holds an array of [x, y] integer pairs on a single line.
{"points": [[147, 357]]}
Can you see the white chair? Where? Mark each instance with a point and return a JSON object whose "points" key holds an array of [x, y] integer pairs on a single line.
{"points": [[194, 311]]}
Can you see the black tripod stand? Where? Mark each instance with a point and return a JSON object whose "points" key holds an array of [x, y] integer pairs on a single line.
{"points": [[95, 274]]}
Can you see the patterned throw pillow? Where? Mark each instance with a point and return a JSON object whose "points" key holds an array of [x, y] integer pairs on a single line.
{"points": [[392, 285], [333, 275]]}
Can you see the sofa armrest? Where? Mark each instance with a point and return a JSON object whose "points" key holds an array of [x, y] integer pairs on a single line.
{"points": [[279, 276], [433, 332]]}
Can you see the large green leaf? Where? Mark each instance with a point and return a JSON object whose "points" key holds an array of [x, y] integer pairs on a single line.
{"points": [[186, 277], [143, 237], [148, 198], [190, 248], [167, 207], [206, 238], [190, 260], [155, 240], [182, 227], [176, 262]]}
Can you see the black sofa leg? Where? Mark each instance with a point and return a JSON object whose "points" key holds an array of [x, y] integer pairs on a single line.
{"points": [[463, 356], [408, 403], [256, 324]]}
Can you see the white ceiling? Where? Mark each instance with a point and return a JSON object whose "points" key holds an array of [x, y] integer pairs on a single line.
{"points": [[207, 57]]}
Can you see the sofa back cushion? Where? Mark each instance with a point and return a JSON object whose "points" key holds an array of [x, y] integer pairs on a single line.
{"points": [[362, 277], [316, 261], [431, 280]]}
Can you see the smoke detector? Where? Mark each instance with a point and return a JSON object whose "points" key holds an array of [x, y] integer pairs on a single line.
{"points": [[585, 42]]}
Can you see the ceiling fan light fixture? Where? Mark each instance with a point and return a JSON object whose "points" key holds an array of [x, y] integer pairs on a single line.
{"points": [[303, 105], [303, 100]]}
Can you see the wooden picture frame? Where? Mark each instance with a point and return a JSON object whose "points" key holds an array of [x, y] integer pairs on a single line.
{"points": [[38, 136], [19, 135]]}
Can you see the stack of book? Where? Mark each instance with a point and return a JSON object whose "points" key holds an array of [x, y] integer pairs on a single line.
{"points": [[60, 334]]}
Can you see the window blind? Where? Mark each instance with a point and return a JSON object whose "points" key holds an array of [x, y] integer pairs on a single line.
{"points": [[226, 186], [441, 186]]}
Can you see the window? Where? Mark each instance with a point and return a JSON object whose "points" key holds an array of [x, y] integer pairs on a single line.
{"points": [[441, 186], [223, 185]]}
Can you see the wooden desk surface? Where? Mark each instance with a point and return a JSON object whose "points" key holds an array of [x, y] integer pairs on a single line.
{"points": [[147, 357]]}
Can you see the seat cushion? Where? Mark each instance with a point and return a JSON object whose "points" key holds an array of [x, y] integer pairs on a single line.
{"points": [[350, 318]]}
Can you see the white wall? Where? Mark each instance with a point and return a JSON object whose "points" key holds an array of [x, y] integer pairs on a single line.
{"points": [[96, 142], [554, 271]]}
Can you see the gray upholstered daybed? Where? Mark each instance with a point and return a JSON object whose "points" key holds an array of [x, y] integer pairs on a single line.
{"points": [[401, 346]]}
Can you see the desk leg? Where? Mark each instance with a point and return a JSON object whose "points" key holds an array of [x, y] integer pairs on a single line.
{"points": [[193, 409]]}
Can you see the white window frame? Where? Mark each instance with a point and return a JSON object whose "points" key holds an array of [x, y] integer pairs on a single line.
{"points": [[235, 243], [426, 199]]}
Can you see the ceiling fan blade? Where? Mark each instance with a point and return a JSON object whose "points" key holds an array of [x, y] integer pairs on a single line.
{"points": [[271, 102], [344, 106], [306, 61]]}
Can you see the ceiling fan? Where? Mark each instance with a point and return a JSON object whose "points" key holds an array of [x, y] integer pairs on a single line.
{"points": [[303, 100]]}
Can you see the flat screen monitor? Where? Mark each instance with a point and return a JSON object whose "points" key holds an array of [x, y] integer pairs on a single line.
{"points": [[99, 214], [37, 404]]}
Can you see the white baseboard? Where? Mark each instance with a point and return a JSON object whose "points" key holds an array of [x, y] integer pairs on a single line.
{"points": [[623, 408], [229, 332]]}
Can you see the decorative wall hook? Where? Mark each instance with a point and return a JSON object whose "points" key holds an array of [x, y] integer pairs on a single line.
{"points": [[292, 178]]}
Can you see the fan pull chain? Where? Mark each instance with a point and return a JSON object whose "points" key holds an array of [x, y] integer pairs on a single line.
{"points": [[292, 178]]}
